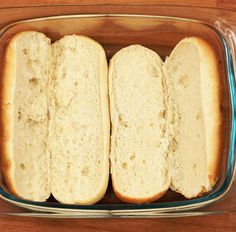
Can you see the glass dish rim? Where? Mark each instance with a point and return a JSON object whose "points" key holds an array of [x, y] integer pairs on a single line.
{"points": [[163, 206], [129, 4]]}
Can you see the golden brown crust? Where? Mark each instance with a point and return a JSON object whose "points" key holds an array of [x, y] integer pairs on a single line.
{"points": [[137, 200], [6, 123], [6, 166], [6, 114], [7, 82], [6, 147]]}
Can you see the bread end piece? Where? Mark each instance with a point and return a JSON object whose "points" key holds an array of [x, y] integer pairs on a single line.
{"points": [[7, 108], [212, 104], [207, 87]]}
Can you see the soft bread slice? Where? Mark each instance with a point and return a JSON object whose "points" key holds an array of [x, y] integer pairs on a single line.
{"points": [[24, 116], [138, 142], [194, 115], [79, 125]]}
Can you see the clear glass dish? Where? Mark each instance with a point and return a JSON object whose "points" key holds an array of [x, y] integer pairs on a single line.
{"points": [[160, 30]]}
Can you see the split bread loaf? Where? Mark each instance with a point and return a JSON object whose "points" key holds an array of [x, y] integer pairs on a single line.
{"points": [[25, 159], [166, 121], [55, 119], [138, 141]]}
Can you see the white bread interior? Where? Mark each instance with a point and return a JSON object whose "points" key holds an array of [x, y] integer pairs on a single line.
{"points": [[24, 114], [58, 140], [194, 115], [138, 141], [79, 130], [180, 150]]}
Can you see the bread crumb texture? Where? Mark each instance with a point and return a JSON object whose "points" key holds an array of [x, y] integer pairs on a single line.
{"points": [[158, 113], [165, 120], [138, 143], [58, 140]]}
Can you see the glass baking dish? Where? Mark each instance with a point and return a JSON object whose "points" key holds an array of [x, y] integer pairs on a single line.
{"points": [[160, 30]]}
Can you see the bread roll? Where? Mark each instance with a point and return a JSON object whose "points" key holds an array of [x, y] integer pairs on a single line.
{"points": [[79, 125], [192, 78], [138, 142], [25, 158], [55, 119], [166, 121]]}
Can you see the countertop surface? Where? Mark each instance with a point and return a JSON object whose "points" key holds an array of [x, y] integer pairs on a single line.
{"points": [[216, 223]]}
